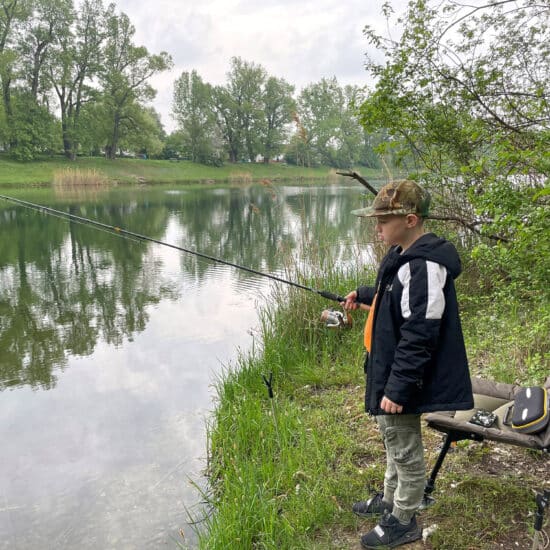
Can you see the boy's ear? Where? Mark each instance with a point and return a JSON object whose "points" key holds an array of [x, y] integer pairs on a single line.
{"points": [[413, 220]]}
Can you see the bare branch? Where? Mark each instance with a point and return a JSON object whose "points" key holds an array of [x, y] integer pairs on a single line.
{"points": [[360, 179], [469, 225]]}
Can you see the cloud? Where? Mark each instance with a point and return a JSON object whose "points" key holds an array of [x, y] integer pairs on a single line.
{"points": [[301, 41]]}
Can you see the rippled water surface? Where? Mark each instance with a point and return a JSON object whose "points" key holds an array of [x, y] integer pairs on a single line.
{"points": [[109, 349]]}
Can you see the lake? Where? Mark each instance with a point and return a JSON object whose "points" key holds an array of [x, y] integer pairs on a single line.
{"points": [[110, 348]]}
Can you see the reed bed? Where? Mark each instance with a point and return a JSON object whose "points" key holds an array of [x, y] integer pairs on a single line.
{"points": [[241, 177], [78, 178]]}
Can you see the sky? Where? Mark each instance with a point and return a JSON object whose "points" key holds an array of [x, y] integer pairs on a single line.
{"points": [[301, 41]]}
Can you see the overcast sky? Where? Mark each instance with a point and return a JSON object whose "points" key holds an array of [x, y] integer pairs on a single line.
{"points": [[299, 40]]}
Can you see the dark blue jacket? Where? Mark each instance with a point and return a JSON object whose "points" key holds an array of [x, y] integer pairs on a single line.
{"points": [[418, 358]]}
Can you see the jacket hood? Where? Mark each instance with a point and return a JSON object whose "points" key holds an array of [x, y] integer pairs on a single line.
{"points": [[435, 249]]}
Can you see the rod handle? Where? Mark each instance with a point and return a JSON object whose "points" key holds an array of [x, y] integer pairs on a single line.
{"points": [[330, 296]]}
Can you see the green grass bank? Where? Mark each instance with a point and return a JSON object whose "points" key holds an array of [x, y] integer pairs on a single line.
{"points": [[128, 171], [284, 472]]}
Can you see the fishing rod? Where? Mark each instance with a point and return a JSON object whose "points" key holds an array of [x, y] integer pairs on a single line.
{"points": [[132, 235]]}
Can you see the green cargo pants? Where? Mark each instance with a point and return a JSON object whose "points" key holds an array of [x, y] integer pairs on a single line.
{"points": [[405, 475]]}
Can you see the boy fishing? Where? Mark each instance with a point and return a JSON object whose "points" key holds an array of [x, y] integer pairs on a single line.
{"points": [[416, 359]]}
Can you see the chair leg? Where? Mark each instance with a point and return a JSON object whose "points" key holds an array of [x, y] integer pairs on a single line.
{"points": [[542, 500], [452, 437]]}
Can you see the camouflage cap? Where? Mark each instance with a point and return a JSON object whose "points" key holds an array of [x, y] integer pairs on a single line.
{"points": [[399, 197]]}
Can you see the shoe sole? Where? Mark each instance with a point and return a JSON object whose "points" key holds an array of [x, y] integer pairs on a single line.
{"points": [[405, 539]]}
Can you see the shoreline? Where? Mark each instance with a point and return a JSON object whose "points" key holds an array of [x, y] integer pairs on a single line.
{"points": [[125, 171]]}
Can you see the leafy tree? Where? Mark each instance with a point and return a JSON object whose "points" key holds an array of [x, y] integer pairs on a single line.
{"points": [[227, 119], [48, 22], [34, 130], [278, 107], [193, 110], [327, 114], [74, 64], [464, 94], [124, 76], [12, 14], [245, 82], [146, 134], [173, 146]]}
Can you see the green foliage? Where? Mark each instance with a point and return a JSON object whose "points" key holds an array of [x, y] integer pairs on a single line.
{"points": [[34, 130], [193, 110], [520, 353], [277, 107], [468, 119], [328, 125], [85, 55], [124, 76], [522, 266]]}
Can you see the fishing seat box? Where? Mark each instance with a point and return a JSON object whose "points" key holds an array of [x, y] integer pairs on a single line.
{"points": [[530, 412]]}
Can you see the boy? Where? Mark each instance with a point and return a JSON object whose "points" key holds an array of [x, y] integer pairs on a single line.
{"points": [[416, 359]]}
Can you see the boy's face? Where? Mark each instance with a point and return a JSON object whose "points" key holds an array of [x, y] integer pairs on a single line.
{"points": [[396, 230]]}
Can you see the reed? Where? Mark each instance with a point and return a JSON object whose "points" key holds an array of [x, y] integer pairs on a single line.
{"points": [[78, 177], [240, 177]]}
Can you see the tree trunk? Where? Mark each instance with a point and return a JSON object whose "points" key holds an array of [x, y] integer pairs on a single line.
{"points": [[6, 98], [110, 149]]}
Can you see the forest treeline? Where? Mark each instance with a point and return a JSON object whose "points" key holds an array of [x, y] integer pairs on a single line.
{"points": [[75, 82]]}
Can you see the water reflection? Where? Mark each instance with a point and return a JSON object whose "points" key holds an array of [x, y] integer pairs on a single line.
{"points": [[127, 337]]}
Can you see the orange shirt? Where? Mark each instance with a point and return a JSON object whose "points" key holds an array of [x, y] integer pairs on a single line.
{"points": [[367, 335]]}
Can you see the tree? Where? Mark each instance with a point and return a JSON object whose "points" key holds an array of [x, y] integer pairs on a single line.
{"points": [[74, 63], [245, 82], [327, 114], [277, 106], [465, 94], [228, 122], [49, 22], [145, 133], [12, 14], [124, 73], [33, 129], [193, 109]]}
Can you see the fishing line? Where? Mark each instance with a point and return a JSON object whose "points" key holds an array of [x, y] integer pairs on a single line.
{"points": [[131, 235]]}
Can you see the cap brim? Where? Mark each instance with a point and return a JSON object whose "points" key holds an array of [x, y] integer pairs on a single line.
{"points": [[370, 212], [364, 212]]}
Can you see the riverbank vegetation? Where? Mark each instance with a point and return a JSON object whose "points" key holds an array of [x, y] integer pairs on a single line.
{"points": [[285, 471], [463, 93], [132, 171]]}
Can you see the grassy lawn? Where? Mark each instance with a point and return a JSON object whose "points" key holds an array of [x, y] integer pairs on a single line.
{"points": [[41, 172]]}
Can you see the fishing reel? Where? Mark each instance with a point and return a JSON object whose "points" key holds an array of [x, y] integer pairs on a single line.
{"points": [[336, 319]]}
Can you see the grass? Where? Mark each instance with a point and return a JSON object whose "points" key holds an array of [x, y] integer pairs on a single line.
{"points": [[284, 471], [128, 171]]}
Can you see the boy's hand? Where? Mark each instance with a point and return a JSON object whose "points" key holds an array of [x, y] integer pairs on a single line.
{"points": [[387, 405], [350, 302]]}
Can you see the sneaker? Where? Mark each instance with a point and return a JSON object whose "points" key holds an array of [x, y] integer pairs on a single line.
{"points": [[389, 533], [375, 506]]}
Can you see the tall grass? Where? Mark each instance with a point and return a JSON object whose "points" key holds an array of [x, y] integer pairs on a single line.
{"points": [[77, 178], [284, 471]]}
